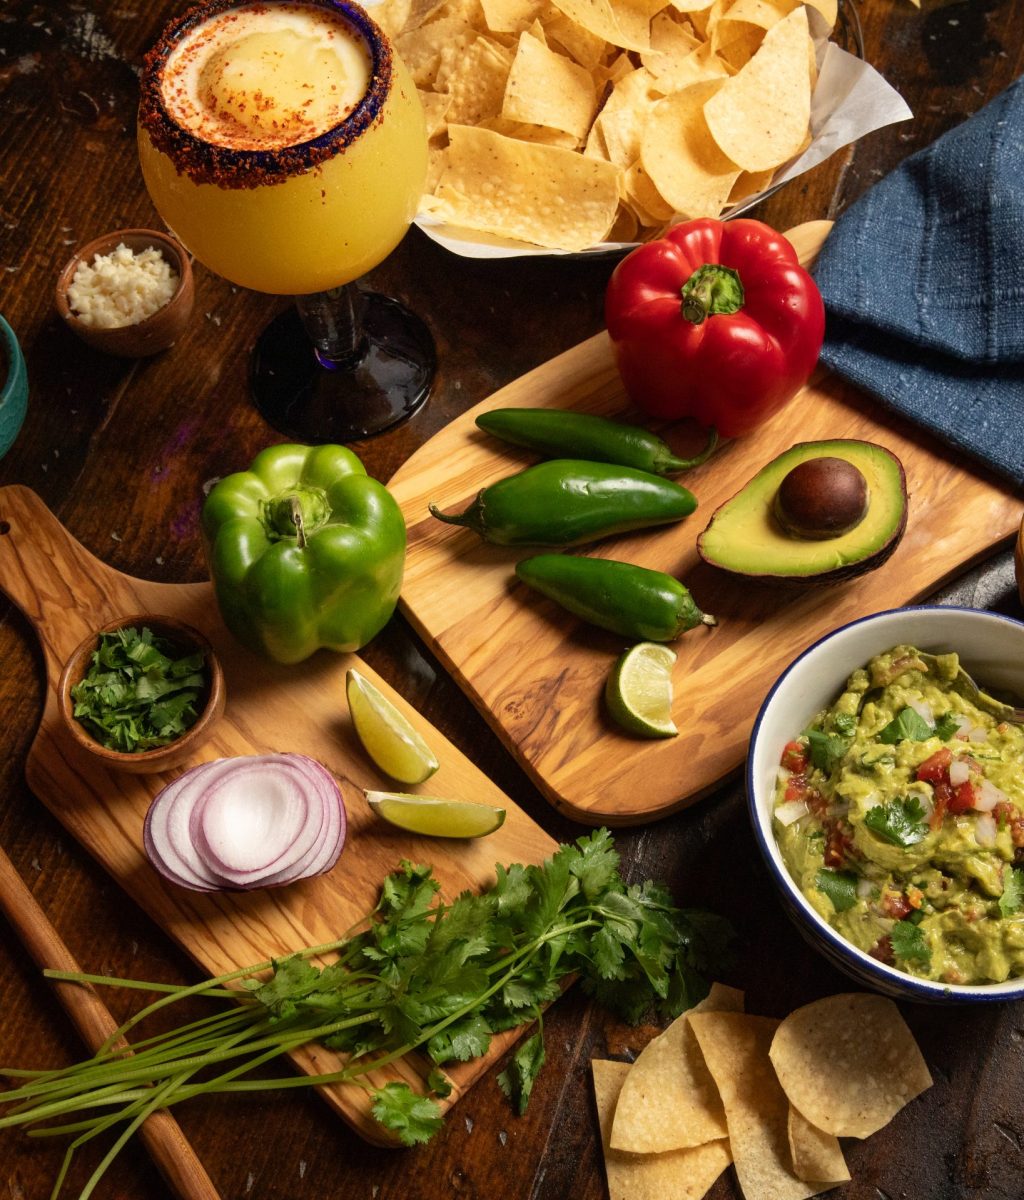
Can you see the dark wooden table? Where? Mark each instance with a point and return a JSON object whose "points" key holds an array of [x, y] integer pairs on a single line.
{"points": [[120, 451]]}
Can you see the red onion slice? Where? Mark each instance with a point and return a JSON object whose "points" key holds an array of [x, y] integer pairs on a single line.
{"points": [[247, 822]]}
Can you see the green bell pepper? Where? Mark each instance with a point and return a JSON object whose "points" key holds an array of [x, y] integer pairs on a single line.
{"points": [[305, 550]]}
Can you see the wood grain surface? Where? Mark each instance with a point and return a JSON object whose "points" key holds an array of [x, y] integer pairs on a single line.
{"points": [[538, 673], [120, 452], [66, 593]]}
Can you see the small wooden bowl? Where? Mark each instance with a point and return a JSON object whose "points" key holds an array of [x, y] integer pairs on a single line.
{"points": [[162, 758], [153, 334]]}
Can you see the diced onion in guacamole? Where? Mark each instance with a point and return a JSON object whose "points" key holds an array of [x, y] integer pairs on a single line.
{"points": [[911, 844]]}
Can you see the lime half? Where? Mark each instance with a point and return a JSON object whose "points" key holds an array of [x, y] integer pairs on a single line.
{"points": [[436, 817], [639, 691], [386, 735]]}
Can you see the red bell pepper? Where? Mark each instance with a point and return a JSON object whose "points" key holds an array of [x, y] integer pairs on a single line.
{"points": [[718, 321]]}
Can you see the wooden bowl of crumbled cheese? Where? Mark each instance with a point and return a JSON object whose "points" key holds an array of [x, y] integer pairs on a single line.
{"points": [[129, 292]]}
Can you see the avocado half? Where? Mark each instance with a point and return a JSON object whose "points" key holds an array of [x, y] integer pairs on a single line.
{"points": [[744, 535]]}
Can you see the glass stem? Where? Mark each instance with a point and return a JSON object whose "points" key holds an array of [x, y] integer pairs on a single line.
{"points": [[334, 322]]}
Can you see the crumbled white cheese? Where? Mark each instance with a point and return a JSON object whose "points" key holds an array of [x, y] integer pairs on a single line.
{"points": [[121, 288]]}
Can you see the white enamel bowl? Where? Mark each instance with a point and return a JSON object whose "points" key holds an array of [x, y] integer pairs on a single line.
{"points": [[991, 648]]}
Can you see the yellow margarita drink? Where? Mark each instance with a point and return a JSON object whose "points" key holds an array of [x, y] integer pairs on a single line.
{"points": [[281, 142]]}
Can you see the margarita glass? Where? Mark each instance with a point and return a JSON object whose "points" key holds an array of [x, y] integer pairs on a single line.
{"points": [[285, 146]]}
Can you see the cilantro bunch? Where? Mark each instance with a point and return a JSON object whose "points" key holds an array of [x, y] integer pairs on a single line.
{"points": [[136, 695], [423, 975]]}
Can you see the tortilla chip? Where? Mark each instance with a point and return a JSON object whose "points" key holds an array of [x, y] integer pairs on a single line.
{"points": [[540, 194], [545, 88], [510, 16], [651, 208], [750, 183], [669, 1099], [849, 1063], [675, 1175], [601, 19], [580, 44], [420, 49], [681, 157], [475, 80], [760, 117], [816, 1155], [735, 1048], [626, 113], [393, 16], [435, 110]]}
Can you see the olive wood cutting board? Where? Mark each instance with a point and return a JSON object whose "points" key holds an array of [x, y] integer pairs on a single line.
{"points": [[537, 673], [66, 593]]}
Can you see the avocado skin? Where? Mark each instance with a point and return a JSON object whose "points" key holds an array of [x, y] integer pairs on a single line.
{"points": [[766, 482]]}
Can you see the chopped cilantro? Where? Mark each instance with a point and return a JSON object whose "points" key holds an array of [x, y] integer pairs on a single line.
{"points": [[900, 822], [136, 695], [946, 726], [908, 943], [845, 724], [907, 726], [1012, 899], [827, 749], [839, 886]]}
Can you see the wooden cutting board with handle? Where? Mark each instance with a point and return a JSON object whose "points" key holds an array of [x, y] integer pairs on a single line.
{"points": [[66, 593], [538, 673]]}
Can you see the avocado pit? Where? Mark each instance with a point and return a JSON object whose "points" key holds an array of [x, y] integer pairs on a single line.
{"points": [[822, 498]]}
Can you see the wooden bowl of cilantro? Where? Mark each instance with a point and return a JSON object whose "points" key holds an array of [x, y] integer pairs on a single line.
{"points": [[142, 693]]}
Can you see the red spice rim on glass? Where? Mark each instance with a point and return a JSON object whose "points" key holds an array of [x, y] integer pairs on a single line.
{"points": [[234, 168]]}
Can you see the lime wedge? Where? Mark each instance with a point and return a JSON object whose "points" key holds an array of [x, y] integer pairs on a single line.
{"points": [[639, 691], [436, 817], [387, 736]]}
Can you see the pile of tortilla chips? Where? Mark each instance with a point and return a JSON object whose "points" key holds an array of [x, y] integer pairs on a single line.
{"points": [[566, 123], [720, 1086]]}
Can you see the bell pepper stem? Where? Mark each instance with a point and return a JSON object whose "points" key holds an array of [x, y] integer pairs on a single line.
{"points": [[298, 521], [712, 290]]}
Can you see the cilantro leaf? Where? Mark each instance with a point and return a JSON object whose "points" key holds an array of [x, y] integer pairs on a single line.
{"points": [[907, 726], [439, 1083], [844, 724], [462, 1040], [1012, 899], [900, 822], [414, 1118], [827, 749], [908, 943], [517, 1080], [839, 886], [946, 726]]}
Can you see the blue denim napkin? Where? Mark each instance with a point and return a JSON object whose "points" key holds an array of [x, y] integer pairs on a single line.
{"points": [[923, 280]]}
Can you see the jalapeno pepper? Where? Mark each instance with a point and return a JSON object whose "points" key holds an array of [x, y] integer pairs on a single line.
{"points": [[566, 502], [555, 432], [634, 601]]}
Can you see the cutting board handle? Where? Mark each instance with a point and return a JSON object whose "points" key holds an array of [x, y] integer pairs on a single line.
{"points": [[39, 559]]}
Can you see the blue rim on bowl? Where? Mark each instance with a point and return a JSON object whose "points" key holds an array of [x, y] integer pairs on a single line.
{"points": [[14, 391], [762, 762]]}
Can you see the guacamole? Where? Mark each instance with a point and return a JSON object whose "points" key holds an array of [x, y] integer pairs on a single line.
{"points": [[900, 814]]}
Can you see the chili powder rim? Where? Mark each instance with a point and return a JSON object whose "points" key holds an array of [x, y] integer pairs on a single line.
{"points": [[226, 167]]}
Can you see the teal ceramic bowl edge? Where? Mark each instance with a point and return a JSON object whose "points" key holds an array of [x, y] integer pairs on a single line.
{"points": [[14, 396]]}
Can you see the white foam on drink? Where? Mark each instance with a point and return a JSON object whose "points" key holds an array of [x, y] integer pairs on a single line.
{"points": [[267, 75]]}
